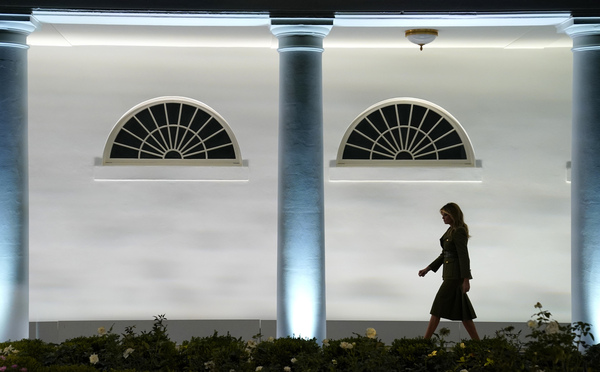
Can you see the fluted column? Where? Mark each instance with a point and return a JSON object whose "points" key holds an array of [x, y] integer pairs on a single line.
{"points": [[14, 249], [585, 172], [301, 232]]}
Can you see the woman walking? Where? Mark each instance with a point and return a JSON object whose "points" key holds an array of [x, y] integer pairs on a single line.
{"points": [[451, 301]]}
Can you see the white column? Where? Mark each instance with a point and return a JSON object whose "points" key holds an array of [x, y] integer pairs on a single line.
{"points": [[301, 233], [14, 249], [585, 172]]}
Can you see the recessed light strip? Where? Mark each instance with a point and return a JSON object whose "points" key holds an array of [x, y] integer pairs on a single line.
{"points": [[152, 19], [450, 20]]}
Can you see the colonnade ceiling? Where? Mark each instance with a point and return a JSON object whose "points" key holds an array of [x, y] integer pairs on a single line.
{"points": [[507, 31], [375, 24]]}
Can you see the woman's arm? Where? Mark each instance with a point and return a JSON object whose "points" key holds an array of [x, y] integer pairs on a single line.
{"points": [[460, 239], [434, 266]]}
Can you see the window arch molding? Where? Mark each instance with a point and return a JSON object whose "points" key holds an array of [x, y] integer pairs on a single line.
{"points": [[171, 130], [406, 132]]}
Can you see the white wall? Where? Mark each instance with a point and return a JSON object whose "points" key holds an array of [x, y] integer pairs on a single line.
{"points": [[206, 250]]}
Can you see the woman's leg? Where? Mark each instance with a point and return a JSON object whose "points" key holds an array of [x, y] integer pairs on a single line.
{"points": [[470, 327], [433, 323]]}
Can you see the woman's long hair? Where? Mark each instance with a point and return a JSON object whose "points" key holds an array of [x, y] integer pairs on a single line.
{"points": [[457, 216]]}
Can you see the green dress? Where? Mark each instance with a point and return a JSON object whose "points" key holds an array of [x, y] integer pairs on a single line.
{"points": [[450, 301]]}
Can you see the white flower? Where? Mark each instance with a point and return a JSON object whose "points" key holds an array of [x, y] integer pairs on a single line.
{"points": [[371, 333], [94, 359], [101, 331], [463, 370], [462, 346], [9, 350], [294, 360], [271, 339], [552, 327], [287, 369], [326, 342], [127, 353], [250, 345], [259, 368], [532, 324], [209, 365], [333, 361], [346, 345]]}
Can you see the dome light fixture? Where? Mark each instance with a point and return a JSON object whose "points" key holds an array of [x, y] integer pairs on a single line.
{"points": [[421, 36]]}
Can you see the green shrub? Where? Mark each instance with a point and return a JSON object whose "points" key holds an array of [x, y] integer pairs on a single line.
{"points": [[555, 347], [592, 358], [490, 354], [413, 353], [214, 353], [359, 353], [549, 347], [19, 363], [150, 351], [295, 353]]}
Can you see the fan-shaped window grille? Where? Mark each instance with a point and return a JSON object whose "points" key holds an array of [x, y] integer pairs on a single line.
{"points": [[171, 131], [405, 132]]}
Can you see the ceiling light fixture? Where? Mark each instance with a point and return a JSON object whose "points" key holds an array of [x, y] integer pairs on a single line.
{"points": [[421, 36]]}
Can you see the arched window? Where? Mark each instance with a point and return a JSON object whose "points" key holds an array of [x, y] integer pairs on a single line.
{"points": [[171, 131], [405, 132]]}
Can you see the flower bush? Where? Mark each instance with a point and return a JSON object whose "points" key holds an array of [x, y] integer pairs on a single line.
{"points": [[548, 347]]}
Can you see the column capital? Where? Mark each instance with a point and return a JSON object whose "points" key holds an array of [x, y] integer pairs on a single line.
{"points": [[585, 32], [301, 33], [14, 29]]}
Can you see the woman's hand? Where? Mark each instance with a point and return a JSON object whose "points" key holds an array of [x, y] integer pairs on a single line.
{"points": [[424, 271], [466, 285]]}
